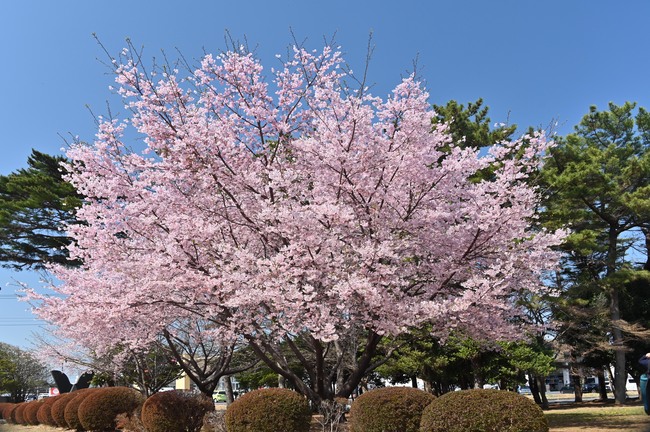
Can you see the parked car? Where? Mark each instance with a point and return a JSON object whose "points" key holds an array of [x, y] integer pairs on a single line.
{"points": [[631, 385], [524, 390], [219, 396], [567, 389], [590, 388]]}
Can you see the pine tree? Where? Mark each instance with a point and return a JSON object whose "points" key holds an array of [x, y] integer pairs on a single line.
{"points": [[35, 203], [598, 180]]}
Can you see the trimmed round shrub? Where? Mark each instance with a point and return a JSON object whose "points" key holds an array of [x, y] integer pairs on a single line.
{"points": [[390, 409], [9, 414], [44, 414], [99, 410], [58, 408], [31, 411], [269, 410], [19, 414], [482, 410], [175, 411], [70, 413], [3, 406], [7, 411]]}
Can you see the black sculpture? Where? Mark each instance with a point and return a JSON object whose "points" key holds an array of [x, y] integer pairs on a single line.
{"points": [[63, 383]]}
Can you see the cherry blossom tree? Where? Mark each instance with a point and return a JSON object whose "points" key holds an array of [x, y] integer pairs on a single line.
{"points": [[295, 211]]}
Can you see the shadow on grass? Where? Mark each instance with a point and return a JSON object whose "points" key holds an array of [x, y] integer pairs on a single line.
{"points": [[599, 416]]}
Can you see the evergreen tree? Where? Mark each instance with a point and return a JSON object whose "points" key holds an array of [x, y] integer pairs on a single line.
{"points": [[471, 125], [35, 202], [598, 180]]}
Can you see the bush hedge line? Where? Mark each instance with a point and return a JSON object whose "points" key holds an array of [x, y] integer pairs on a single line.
{"points": [[390, 409], [483, 411], [99, 409], [396, 409], [175, 411], [44, 414], [269, 410]]}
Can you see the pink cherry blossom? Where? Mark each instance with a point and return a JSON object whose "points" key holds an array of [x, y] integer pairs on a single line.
{"points": [[293, 208]]}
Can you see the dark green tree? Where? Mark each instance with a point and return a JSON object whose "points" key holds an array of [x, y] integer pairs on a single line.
{"points": [[635, 311], [35, 203], [441, 366], [471, 125], [20, 373], [598, 183]]}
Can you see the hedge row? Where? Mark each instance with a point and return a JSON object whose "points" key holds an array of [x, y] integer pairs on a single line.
{"points": [[269, 410], [391, 409], [411, 410], [87, 409], [98, 409]]}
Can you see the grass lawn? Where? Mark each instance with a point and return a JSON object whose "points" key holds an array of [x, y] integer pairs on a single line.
{"points": [[597, 417]]}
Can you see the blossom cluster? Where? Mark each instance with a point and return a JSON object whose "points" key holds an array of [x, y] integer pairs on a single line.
{"points": [[291, 206]]}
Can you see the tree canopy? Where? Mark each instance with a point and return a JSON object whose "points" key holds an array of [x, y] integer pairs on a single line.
{"points": [[35, 203], [598, 183], [313, 216], [20, 372]]}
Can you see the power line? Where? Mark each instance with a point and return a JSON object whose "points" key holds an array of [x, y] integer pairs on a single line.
{"points": [[21, 321], [22, 324]]}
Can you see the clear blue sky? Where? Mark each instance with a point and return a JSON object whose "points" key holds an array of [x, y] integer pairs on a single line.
{"points": [[533, 62]]}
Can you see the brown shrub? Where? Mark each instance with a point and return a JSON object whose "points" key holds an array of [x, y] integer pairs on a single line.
{"points": [[483, 410], [10, 414], [99, 410], [3, 405], [44, 414], [175, 411], [18, 415], [390, 409], [70, 412], [215, 421], [31, 411], [7, 411], [130, 422], [58, 408], [269, 410]]}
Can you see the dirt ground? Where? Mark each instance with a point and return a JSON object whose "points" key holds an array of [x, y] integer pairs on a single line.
{"points": [[15, 428]]}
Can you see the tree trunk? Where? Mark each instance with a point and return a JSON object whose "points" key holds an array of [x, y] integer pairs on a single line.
{"points": [[414, 381], [534, 389], [646, 233], [577, 386], [620, 391], [230, 397], [541, 384], [601, 385], [315, 358], [479, 381], [620, 371]]}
